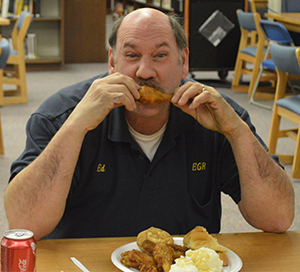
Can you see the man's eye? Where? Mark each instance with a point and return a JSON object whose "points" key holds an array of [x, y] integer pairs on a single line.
{"points": [[161, 55], [131, 55]]}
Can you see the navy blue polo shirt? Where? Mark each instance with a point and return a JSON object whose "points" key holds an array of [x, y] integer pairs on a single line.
{"points": [[117, 191]]}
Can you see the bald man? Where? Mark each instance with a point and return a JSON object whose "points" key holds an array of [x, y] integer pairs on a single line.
{"points": [[97, 162]]}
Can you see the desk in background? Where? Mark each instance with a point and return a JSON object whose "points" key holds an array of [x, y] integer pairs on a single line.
{"points": [[259, 251], [291, 20]]}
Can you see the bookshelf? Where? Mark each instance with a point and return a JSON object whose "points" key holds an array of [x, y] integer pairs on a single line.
{"points": [[49, 31]]}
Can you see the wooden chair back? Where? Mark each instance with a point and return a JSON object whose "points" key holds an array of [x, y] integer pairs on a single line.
{"points": [[4, 54], [253, 55], [287, 61], [256, 5], [16, 59]]}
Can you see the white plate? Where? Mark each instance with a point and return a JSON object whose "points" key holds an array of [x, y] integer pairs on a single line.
{"points": [[234, 261]]}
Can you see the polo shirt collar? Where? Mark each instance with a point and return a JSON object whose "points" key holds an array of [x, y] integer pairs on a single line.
{"points": [[179, 122]]}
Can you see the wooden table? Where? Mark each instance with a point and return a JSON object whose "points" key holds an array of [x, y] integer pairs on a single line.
{"points": [[291, 20], [259, 252]]}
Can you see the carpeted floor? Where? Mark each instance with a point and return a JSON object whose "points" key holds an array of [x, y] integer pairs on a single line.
{"points": [[43, 84]]}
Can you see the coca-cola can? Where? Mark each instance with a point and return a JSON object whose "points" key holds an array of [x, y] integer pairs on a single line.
{"points": [[18, 251]]}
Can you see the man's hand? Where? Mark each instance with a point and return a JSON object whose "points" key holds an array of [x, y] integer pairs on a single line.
{"points": [[105, 94], [207, 106]]}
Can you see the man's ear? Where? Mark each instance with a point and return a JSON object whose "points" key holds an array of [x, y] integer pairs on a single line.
{"points": [[185, 62], [111, 62]]}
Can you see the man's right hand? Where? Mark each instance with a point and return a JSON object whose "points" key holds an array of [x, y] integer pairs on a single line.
{"points": [[105, 94]]}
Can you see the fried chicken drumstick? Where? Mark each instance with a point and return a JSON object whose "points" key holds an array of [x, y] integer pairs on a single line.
{"points": [[151, 95], [138, 260], [164, 255]]}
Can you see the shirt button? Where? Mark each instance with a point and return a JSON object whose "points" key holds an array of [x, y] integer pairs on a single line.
{"points": [[142, 156]]}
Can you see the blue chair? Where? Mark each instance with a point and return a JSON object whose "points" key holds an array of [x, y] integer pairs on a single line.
{"points": [[254, 55], [4, 54], [273, 31], [17, 60], [287, 61]]}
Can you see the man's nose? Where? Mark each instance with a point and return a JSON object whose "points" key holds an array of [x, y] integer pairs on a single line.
{"points": [[145, 68]]}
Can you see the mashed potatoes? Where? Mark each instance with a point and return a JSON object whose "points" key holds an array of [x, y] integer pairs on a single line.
{"points": [[199, 260]]}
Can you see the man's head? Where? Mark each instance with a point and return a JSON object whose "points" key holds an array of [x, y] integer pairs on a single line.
{"points": [[149, 45], [174, 22]]}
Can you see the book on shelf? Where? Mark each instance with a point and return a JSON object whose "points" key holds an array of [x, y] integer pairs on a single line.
{"points": [[18, 7], [26, 5], [13, 8], [156, 3], [167, 4], [30, 46], [37, 8], [4, 8]]}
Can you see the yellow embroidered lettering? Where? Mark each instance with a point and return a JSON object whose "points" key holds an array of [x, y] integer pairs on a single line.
{"points": [[198, 166], [101, 168]]}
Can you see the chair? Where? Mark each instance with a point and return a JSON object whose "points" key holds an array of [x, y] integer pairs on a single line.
{"points": [[260, 6], [273, 31], [4, 54], [252, 55], [286, 107], [17, 60]]}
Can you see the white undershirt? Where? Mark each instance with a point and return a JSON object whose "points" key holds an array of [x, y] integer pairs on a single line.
{"points": [[148, 143]]}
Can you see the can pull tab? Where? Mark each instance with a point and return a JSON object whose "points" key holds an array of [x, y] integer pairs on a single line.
{"points": [[19, 233]]}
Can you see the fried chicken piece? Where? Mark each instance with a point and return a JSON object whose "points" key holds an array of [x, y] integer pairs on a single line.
{"points": [[163, 256], [138, 260], [178, 250], [147, 268], [151, 95]]}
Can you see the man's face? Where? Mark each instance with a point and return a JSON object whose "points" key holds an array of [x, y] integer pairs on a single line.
{"points": [[147, 50]]}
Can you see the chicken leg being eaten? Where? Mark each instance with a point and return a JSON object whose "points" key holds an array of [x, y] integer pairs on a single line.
{"points": [[151, 95]]}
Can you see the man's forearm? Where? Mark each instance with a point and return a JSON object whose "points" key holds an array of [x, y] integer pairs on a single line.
{"points": [[267, 195], [35, 199]]}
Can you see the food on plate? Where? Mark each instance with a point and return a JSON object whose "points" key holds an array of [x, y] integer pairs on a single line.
{"points": [[138, 260], [151, 95], [178, 250], [147, 239], [161, 259], [200, 253], [163, 256], [199, 237], [199, 260]]}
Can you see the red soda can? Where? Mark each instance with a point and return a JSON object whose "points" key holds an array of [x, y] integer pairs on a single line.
{"points": [[18, 251]]}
